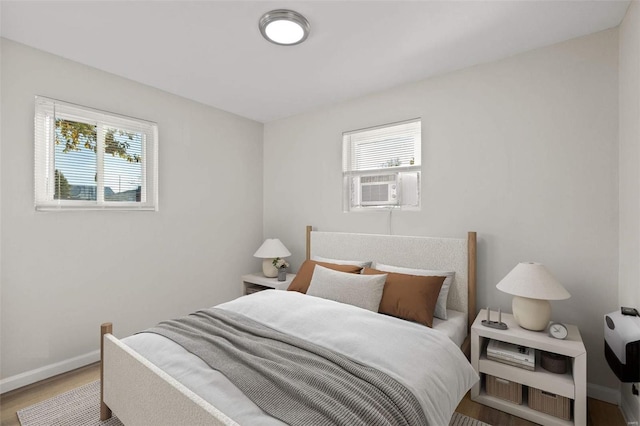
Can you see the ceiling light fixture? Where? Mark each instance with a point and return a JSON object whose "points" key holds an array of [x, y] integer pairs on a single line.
{"points": [[284, 27]]}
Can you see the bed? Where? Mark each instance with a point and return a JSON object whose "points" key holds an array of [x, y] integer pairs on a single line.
{"points": [[148, 379]]}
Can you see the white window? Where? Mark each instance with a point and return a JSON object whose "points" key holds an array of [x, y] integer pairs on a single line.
{"points": [[381, 167], [91, 159]]}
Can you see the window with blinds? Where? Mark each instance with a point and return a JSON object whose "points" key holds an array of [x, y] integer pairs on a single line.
{"points": [[381, 167], [91, 159]]}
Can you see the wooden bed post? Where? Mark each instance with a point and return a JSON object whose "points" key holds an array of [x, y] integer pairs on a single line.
{"points": [[105, 412], [471, 256], [471, 291], [309, 229]]}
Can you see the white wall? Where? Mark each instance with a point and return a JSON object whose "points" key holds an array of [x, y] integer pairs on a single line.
{"points": [[524, 151], [0, 198], [629, 283], [64, 273]]}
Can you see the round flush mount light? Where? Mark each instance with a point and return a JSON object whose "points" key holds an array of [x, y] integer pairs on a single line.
{"points": [[284, 27]]}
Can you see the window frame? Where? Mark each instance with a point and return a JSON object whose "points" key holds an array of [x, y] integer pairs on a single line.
{"points": [[349, 172], [47, 110]]}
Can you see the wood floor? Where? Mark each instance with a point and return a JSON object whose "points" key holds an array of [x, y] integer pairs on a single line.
{"points": [[18, 399], [599, 413]]}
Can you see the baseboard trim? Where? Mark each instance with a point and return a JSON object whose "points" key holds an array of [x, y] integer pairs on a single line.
{"points": [[602, 393], [33, 376], [630, 405], [629, 417]]}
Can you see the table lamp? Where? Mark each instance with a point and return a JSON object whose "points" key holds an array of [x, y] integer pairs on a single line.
{"points": [[532, 286], [269, 250]]}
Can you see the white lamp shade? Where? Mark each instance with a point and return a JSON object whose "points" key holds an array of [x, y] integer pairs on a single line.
{"points": [[532, 280], [272, 248]]}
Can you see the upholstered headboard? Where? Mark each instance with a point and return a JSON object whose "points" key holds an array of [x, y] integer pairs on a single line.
{"points": [[450, 254]]}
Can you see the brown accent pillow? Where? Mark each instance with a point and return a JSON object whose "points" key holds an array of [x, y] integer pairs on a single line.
{"points": [[410, 297], [303, 277]]}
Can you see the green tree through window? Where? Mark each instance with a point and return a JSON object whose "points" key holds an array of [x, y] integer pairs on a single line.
{"points": [[62, 190], [76, 135]]}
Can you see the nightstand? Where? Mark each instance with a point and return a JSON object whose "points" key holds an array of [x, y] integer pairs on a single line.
{"points": [[258, 282], [571, 385]]}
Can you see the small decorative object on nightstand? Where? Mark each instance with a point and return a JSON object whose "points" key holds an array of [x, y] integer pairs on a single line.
{"points": [[558, 331], [282, 266], [553, 362], [270, 250], [494, 324], [532, 286], [282, 274]]}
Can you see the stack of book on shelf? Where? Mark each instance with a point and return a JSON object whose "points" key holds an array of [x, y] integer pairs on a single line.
{"points": [[508, 353]]}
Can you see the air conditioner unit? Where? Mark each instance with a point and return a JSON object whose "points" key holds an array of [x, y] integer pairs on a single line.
{"points": [[379, 190]]}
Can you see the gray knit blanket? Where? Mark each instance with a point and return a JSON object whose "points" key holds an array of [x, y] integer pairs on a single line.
{"points": [[291, 379]]}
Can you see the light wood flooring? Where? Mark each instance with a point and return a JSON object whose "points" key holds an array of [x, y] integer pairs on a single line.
{"points": [[18, 399], [599, 413]]}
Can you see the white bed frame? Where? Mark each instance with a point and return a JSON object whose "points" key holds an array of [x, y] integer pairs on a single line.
{"points": [[140, 393]]}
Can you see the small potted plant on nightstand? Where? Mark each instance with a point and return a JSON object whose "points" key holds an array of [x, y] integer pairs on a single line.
{"points": [[281, 265]]}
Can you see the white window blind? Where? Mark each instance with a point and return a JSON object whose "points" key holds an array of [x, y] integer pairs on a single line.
{"points": [[91, 159], [394, 145], [381, 166]]}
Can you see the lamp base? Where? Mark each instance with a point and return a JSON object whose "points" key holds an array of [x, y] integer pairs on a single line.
{"points": [[532, 314], [268, 269]]}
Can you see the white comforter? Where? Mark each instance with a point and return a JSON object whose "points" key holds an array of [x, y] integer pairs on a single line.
{"points": [[424, 360]]}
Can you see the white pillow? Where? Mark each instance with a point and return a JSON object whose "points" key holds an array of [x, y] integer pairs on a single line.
{"points": [[360, 263], [364, 291], [441, 303]]}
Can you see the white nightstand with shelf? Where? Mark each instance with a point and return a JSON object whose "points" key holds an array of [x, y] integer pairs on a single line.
{"points": [[258, 282], [572, 385]]}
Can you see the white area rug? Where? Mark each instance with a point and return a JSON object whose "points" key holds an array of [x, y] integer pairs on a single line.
{"points": [[81, 407]]}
